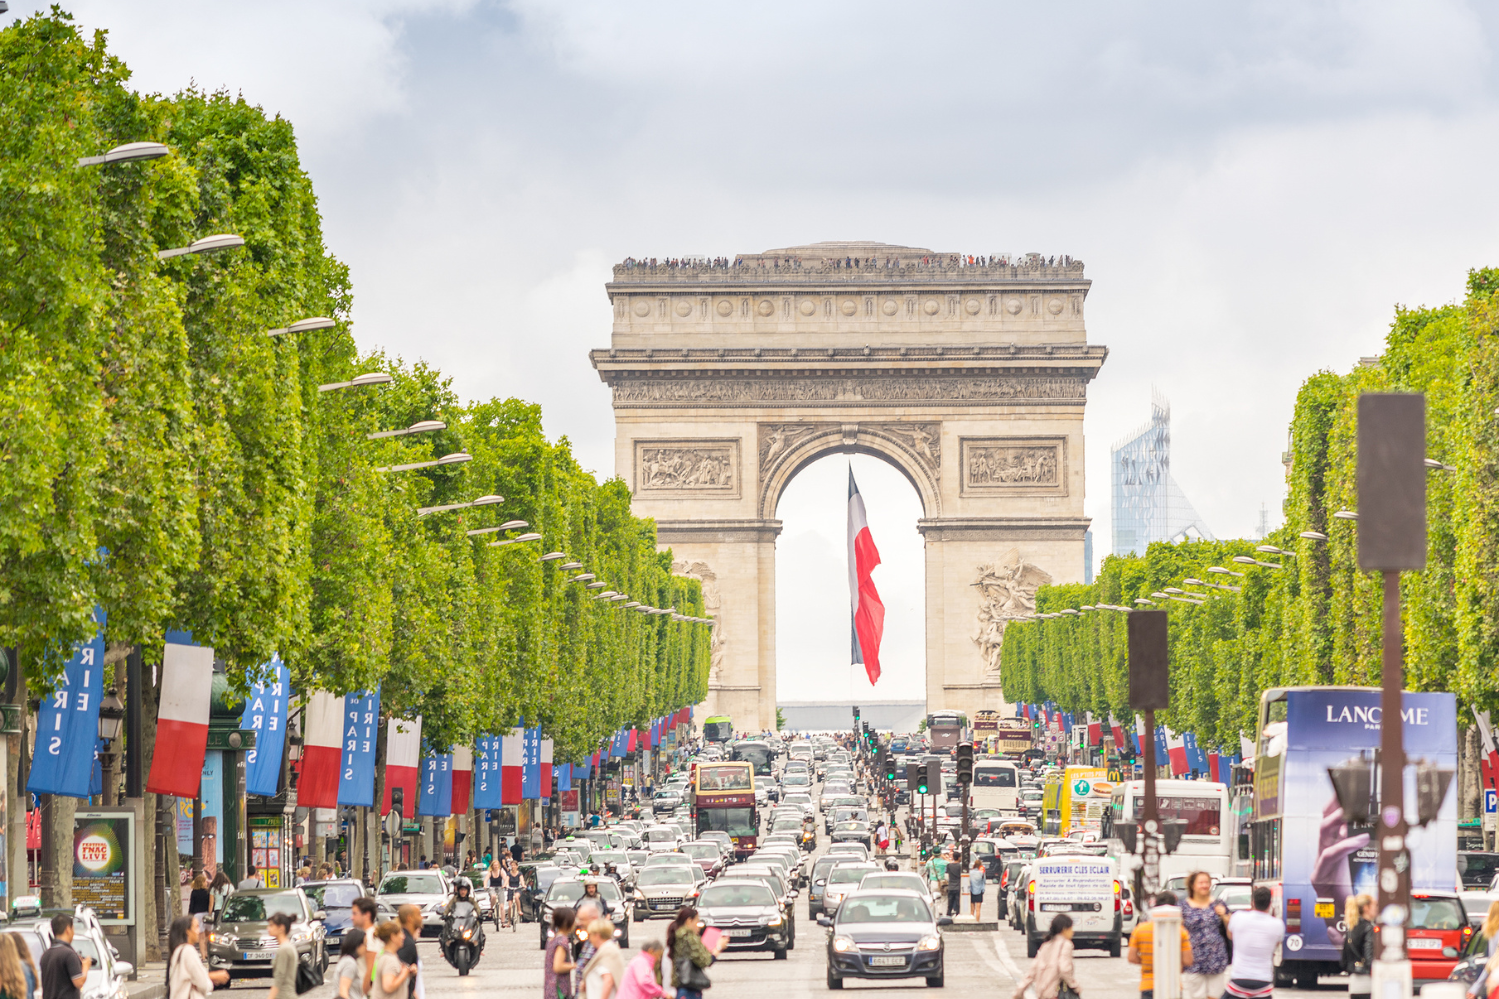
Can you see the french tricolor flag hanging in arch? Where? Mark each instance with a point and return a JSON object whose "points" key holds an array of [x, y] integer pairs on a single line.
{"points": [[864, 600]]}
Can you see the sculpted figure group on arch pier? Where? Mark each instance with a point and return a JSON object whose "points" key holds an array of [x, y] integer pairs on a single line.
{"points": [[727, 380]]}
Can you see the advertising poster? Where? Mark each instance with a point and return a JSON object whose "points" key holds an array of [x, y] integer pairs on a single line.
{"points": [[1324, 859], [102, 842]]}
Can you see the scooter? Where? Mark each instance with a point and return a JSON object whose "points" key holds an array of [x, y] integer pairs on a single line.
{"points": [[462, 939]]}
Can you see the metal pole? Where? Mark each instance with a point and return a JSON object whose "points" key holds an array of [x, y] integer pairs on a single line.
{"points": [[134, 692], [1394, 857], [1150, 823]]}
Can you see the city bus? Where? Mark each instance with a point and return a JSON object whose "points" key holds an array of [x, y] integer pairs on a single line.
{"points": [[1207, 841], [756, 752], [945, 729], [1076, 798], [723, 800], [996, 784], [719, 728], [1297, 844]]}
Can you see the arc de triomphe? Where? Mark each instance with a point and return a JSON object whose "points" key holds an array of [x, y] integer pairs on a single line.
{"points": [[969, 377]]}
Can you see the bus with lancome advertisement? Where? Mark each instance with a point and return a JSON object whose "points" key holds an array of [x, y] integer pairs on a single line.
{"points": [[1298, 844]]}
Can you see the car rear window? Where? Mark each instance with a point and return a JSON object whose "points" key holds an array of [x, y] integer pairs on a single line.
{"points": [[1437, 914], [1477, 868]]}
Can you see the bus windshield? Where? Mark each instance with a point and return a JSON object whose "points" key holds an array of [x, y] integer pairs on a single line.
{"points": [[734, 821], [994, 777], [723, 778], [757, 754], [1204, 814]]}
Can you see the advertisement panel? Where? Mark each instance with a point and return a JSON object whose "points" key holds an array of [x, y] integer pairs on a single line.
{"points": [[103, 852], [1323, 859]]}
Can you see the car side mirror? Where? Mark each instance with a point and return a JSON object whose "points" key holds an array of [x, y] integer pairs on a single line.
{"points": [[124, 969], [321, 914], [824, 921], [944, 920]]}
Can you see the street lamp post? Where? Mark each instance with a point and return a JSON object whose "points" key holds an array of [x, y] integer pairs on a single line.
{"points": [[111, 720]]}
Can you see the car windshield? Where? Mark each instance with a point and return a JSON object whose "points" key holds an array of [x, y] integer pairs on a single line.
{"points": [[660, 835], [983, 847], [546, 875], [910, 882], [796, 780], [611, 857], [1477, 868], [1437, 914], [667, 793], [1235, 896], [771, 881], [666, 876], [257, 908], [884, 909], [336, 895], [848, 875], [850, 827], [953, 811], [735, 895], [701, 851], [412, 884], [571, 891]]}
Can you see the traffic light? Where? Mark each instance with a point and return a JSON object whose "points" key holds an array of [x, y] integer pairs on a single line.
{"points": [[889, 766], [921, 778], [398, 801], [965, 763], [856, 719], [911, 770]]}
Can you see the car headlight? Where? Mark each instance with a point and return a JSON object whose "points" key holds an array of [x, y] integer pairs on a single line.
{"points": [[843, 944], [930, 943], [302, 933], [771, 920], [227, 939]]}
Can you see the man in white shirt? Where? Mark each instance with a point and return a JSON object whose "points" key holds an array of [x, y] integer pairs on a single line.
{"points": [[253, 881], [1255, 934]]}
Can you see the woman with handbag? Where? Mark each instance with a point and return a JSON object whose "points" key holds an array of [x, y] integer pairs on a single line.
{"points": [[1206, 923], [1051, 972], [1358, 945], [689, 956], [187, 978], [557, 963]]}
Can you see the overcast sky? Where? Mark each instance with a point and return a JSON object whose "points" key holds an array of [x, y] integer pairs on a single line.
{"points": [[1252, 187]]}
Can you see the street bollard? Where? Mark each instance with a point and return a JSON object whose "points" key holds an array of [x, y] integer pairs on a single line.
{"points": [[1166, 930]]}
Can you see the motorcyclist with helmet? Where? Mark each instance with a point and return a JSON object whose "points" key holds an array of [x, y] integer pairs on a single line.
{"points": [[591, 894], [459, 906]]}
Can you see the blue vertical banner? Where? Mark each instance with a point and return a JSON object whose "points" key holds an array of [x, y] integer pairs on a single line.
{"points": [[265, 713], [67, 723], [581, 770], [487, 772], [564, 777], [435, 796], [361, 725], [1196, 758], [1161, 752], [530, 772]]}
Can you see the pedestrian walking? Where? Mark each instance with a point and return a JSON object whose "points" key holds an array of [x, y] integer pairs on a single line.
{"points": [[643, 975], [252, 879], [187, 976], [1358, 946], [28, 966], [604, 971], [284, 964], [389, 978], [12, 971], [350, 970], [954, 886], [976, 886], [410, 916], [1052, 969], [1206, 923], [690, 958], [1142, 947], [557, 963], [1256, 934], [63, 971]]}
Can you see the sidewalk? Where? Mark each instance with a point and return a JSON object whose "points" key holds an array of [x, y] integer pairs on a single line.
{"points": [[150, 981]]}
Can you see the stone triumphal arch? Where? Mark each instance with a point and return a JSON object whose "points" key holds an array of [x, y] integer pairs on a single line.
{"points": [[968, 375]]}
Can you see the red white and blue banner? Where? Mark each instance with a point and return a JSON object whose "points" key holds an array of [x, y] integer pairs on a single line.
{"points": [[512, 760], [181, 718], [463, 778], [868, 613], [403, 760], [265, 715], [67, 723], [1176, 751], [530, 775], [564, 777], [361, 728], [436, 797], [547, 747], [487, 773], [322, 741]]}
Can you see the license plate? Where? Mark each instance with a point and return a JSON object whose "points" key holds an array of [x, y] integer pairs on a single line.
{"points": [[250, 955], [887, 962], [1423, 943], [738, 933], [1324, 910], [1069, 907]]}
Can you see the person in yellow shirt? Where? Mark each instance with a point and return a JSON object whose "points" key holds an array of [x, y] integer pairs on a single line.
{"points": [[1142, 948]]}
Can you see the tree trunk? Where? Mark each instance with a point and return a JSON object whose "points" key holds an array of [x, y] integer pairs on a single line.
{"points": [[151, 895], [17, 771], [372, 819]]}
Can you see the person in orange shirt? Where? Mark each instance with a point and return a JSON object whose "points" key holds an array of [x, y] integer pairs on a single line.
{"points": [[1142, 948]]}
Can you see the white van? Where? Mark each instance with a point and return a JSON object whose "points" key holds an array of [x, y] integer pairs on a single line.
{"points": [[1085, 887]]}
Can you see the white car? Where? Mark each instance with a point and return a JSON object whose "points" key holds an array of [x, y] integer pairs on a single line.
{"points": [[662, 890], [427, 890], [662, 839]]}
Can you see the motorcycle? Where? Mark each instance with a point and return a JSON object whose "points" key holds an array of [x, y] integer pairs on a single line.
{"points": [[809, 838], [462, 939]]}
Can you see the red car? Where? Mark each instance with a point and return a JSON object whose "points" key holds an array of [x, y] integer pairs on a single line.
{"points": [[1439, 929]]}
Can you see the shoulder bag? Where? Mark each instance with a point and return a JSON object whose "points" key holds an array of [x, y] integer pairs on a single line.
{"points": [[309, 976], [690, 976]]}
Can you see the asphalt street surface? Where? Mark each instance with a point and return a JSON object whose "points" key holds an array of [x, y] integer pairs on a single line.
{"points": [[977, 964]]}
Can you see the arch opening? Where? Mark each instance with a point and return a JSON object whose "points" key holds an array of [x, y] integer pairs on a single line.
{"points": [[813, 647]]}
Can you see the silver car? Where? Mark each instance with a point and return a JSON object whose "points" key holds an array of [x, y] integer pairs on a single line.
{"points": [[427, 890]]}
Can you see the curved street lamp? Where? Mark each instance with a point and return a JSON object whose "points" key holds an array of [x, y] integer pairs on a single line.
{"points": [[304, 326], [358, 381], [488, 500], [456, 458], [519, 539], [130, 152], [208, 244]]}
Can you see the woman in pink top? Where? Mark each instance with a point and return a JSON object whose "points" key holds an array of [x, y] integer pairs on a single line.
{"points": [[640, 977]]}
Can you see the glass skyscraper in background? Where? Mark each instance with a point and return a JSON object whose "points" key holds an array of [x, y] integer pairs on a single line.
{"points": [[1148, 504]]}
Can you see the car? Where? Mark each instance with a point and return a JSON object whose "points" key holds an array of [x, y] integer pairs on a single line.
{"points": [[1007, 876], [336, 898], [1015, 902], [724, 840], [1438, 931], [666, 800], [817, 881], [662, 838], [1472, 959], [661, 891], [570, 891], [885, 933], [1476, 905], [1477, 869], [771, 878], [669, 857], [801, 799], [850, 848], [427, 890], [537, 876], [241, 943], [1234, 893], [601, 860], [853, 832], [108, 976], [843, 880], [904, 880]]}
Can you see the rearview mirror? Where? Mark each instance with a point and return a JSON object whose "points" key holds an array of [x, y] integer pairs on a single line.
{"points": [[321, 914], [823, 920]]}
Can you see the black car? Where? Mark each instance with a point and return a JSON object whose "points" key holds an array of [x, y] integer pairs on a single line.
{"points": [[570, 891], [336, 898], [885, 933], [748, 914], [538, 877]]}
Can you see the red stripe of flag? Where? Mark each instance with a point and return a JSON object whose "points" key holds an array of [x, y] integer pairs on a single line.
{"points": [[403, 760], [512, 756]]}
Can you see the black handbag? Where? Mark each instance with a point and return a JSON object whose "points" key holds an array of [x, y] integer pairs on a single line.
{"points": [[309, 977], [690, 976]]}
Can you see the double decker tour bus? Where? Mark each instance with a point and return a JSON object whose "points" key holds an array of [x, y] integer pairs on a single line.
{"points": [[723, 800], [945, 729], [757, 753], [1298, 844]]}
